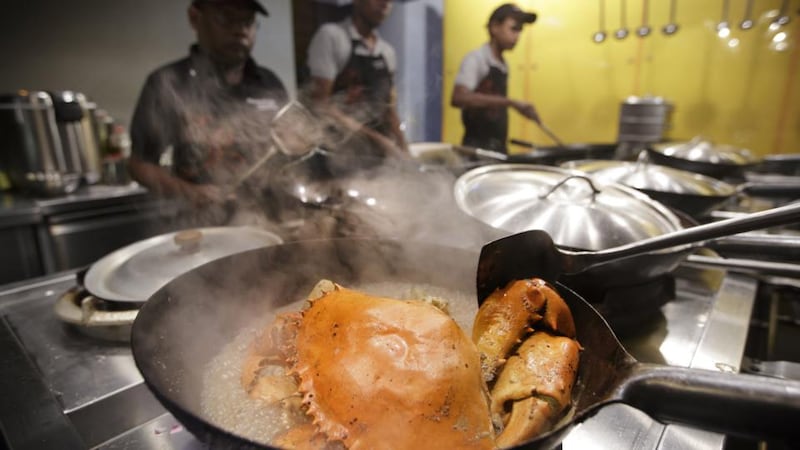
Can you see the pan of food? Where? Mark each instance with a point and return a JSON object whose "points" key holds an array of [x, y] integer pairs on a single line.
{"points": [[253, 351]]}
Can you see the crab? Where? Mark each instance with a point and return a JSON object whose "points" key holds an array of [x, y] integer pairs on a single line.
{"points": [[368, 372]]}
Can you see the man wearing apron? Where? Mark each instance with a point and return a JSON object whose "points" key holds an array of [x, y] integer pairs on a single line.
{"points": [[352, 82], [481, 86], [203, 120]]}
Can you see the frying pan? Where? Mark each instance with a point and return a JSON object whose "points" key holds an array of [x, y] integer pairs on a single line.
{"points": [[225, 296]]}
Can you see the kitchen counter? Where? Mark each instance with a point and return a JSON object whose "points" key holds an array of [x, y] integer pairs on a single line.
{"points": [[44, 235]]}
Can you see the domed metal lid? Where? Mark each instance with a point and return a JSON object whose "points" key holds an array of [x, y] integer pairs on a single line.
{"points": [[135, 272], [575, 209], [703, 150], [647, 176]]}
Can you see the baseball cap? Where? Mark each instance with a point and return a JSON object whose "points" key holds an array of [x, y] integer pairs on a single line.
{"points": [[507, 10], [254, 4]]}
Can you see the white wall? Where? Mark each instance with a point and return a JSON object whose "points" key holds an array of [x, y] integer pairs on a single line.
{"points": [[105, 48]]}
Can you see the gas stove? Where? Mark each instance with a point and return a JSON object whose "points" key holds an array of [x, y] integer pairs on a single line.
{"points": [[64, 387]]}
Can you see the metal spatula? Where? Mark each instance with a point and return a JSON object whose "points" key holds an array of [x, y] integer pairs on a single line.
{"points": [[534, 254]]}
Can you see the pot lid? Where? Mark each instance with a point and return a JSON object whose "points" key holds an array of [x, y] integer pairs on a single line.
{"points": [[135, 272], [647, 176], [703, 150], [574, 208]]}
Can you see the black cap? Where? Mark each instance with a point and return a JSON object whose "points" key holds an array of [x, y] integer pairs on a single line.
{"points": [[254, 4], [507, 10]]}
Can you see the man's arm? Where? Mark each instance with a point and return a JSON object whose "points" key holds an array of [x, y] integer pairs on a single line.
{"points": [[463, 97]]}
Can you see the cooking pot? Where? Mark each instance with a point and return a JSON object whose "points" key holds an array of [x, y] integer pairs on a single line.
{"points": [[702, 156], [580, 213], [692, 193], [32, 153], [184, 325]]}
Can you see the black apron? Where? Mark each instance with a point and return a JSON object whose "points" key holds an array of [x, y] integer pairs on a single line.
{"points": [[487, 128], [363, 89]]}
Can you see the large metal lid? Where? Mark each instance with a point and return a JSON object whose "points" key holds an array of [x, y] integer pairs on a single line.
{"points": [[575, 209], [653, 177], [135, 272], [703, 150]]}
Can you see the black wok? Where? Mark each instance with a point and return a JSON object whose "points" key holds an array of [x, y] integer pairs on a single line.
{"points": [[222, 297], [554, 155]]}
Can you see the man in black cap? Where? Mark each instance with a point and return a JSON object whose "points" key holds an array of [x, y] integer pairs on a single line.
{"points": [[481, 86], [201, 121]]}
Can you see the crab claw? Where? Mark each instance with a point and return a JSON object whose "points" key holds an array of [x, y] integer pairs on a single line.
{"points": [[537, 382], [508, 314]]}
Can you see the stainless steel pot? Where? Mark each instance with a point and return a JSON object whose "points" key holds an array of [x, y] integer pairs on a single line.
{"points": [[32, 153], [578, 212], [702, 156]]}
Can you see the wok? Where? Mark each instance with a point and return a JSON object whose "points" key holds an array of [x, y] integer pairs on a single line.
{"points": [[553, 155], [701, 156], [171, 353]]}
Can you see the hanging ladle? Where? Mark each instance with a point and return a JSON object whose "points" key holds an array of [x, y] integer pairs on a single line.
{"points": [[671, 27], [600, 35], [534, 254], [747, 22], [644, 29], [622, 32], [783, 16], [723, 28]]}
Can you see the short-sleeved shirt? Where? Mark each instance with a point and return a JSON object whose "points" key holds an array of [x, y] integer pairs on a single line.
{"points": [[476, 65], [331, 45], [209, 129]]}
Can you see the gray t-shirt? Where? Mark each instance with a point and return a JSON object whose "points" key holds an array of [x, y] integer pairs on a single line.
{"points": [[331, 45], [476, 65]]}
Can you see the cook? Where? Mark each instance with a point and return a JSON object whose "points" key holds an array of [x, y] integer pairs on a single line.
{"points": [[352, 81], [481, 85], [200, 121]]}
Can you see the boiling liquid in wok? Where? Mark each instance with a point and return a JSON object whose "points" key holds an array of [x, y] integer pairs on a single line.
{"points": [[226, 404]]}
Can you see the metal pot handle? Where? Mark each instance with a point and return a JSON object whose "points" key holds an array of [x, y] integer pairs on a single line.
{"points": [[595, 191]]}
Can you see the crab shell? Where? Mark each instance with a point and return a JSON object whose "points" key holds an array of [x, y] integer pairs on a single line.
{"points": [[381, 373]]}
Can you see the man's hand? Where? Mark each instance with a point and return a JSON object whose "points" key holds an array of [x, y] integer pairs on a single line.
{"points": [[526, 109]]}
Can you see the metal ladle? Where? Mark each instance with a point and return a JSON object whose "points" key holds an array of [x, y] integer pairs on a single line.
{"points": [[600, 35], [644, 29], [783, 16], [747, 22], [622, 32], [533, 253], [295, 132], [723, 23], [670, 28]]}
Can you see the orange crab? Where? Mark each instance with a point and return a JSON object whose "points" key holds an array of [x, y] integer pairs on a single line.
{"points": [[371, 372]]}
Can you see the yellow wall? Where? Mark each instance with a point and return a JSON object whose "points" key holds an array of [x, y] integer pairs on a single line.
{"points": [[745, 95]]}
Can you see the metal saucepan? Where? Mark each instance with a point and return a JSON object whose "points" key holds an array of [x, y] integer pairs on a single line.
{"points": [[226, 296], [692, 193], [702, 156]]}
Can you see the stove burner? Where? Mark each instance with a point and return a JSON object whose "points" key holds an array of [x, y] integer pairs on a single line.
{"points": [[629, 309], [96, 317]]}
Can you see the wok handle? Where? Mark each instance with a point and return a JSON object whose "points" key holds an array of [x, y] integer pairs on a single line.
{"points": [[694, 235], [745, 405]]}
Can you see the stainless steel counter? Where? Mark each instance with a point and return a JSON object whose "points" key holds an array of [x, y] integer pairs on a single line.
{"points": [[62, 389]]}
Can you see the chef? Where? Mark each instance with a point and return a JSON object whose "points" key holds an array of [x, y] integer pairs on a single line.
{"points": [[481, 86], [200, 121], [352, 81]]}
